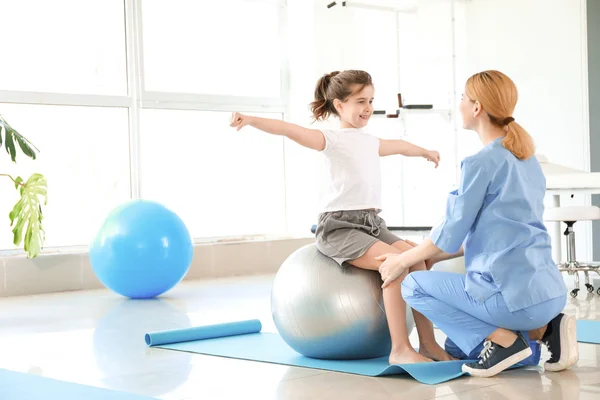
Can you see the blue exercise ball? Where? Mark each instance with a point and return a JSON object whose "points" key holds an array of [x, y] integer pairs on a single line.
{"points": [[142, 250]]}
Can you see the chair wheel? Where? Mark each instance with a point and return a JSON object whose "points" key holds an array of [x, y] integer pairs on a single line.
{"points": [[589, 287], [574, 292], [598, 291]]}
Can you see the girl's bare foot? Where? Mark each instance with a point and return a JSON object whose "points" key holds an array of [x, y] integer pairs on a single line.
{"points": [[407, 356], [435, 352]]}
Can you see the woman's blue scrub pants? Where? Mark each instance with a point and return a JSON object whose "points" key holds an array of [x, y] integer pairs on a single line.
{"points": [[442, 298]]}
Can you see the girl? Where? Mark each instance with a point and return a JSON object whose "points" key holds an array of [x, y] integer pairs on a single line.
{"points": [[512, 289], [349, 228]]}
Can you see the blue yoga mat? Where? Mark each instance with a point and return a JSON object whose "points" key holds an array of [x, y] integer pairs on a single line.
{"points": [[18, 386], [244, 340], [588, 331]]}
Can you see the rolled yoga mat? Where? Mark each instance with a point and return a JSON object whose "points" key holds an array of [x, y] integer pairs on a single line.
{"points": [[588, 331], [203, 332], [244, 340], [18, 385]]}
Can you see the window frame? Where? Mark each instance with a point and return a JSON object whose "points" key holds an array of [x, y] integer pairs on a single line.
{"points": [[138, 98]]}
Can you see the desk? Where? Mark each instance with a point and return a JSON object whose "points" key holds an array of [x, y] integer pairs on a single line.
{"points": [[562, 180]]}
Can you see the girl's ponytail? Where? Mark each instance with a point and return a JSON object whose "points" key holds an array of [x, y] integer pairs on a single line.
{"points": [[322, 106]]}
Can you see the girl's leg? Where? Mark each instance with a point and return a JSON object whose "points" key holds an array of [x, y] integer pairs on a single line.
{"points": [[428, 346], [395, 307], [503, 337], [538, 334]]}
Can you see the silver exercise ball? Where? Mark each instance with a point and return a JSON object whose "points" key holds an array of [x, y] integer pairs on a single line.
{"points": [[325, 311]]}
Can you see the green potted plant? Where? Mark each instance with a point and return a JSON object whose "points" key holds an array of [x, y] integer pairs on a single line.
{"points": [[26, 216]]}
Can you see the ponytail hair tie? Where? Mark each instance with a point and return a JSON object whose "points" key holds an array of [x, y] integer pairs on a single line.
{"points": [[507, 120]]}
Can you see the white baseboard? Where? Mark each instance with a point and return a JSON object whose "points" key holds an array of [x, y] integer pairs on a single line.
{"points": [[50, 273]]}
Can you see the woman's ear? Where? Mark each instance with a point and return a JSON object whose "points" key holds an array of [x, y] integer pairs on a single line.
{"points": [[477, 109]]}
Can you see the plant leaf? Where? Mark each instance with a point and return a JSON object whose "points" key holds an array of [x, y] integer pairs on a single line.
{"points": [[26, 216], [10, 136], [10, 146], [18, 181], [24, 145]]}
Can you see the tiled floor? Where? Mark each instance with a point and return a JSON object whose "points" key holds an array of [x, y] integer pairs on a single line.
{"points": [[97, 338]]}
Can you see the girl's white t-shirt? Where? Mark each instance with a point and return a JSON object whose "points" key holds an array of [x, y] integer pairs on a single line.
{"points": [[352, 159]]}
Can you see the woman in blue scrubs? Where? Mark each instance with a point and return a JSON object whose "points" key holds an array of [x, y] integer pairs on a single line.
{"points": [[512, 291]]}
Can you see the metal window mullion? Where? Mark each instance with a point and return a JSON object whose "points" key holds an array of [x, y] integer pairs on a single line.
{"points": [[285, 97], [134, 51], [153, 99], [63, 99]]}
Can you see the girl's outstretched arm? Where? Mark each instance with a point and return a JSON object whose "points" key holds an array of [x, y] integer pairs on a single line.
{"points": [[402, 147], [310, 138]]}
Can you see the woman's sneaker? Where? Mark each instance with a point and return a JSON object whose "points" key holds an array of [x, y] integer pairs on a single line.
{"points": [[495, 358], [561, 340]]}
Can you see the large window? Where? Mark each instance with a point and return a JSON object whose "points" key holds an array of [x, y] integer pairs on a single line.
{"points": [[64, 46], [226, 47], [131, 99], [220, 181]]}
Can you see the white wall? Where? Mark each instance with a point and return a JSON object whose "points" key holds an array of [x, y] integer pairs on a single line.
{"points": [[541, 45]]}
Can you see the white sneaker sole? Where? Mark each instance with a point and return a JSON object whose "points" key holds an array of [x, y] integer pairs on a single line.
{"points": [[501, 366], [569, 349]]}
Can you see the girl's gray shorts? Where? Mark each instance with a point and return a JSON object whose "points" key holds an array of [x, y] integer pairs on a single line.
{"points": [[347, 235]]}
